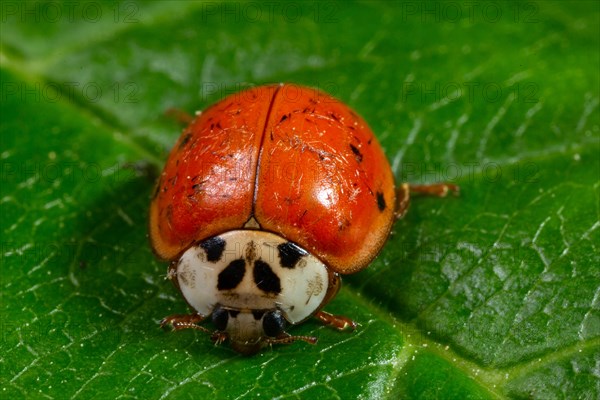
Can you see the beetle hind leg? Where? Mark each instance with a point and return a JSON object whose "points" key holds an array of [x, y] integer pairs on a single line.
{"points": [[434, 189]]}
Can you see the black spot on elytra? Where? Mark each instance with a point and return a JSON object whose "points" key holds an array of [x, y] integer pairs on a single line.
{"points": [[357, 153], [285, 117], [185, 141], [232, 275], [214, 248], [290, 254], [265, 278], [380, 201]]}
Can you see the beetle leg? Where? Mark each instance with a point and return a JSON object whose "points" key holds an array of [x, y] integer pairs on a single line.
{"points": [[338, 322], [184, 321], [435, 189], [402, 200], [179, 115], [219, 337]]}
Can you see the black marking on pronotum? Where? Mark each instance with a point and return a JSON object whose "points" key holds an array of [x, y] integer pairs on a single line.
{"points": [[257, 314], [250, 252], [265, 278], [233, 313], [185, 141], [356, 152], [232, 275], [380, 201], [214, 248], [290, 254]]}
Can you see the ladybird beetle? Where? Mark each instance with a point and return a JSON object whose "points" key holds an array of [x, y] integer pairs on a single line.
{"points": [[266, 199]]}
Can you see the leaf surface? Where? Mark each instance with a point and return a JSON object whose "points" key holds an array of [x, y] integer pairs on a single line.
{"points": [[493, 294]]}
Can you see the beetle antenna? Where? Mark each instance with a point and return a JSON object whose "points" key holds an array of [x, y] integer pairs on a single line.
{"points": [[286, 339]]}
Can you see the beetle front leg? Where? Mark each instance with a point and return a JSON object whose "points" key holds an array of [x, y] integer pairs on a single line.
{"points": [[338, 322], [184, 321]]}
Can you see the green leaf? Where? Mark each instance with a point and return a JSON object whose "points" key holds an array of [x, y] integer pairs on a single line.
{"points": [[493, 294]]}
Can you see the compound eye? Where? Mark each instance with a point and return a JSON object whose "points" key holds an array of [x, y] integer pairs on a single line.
{"points": [[219, 318], [274, 323]]}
